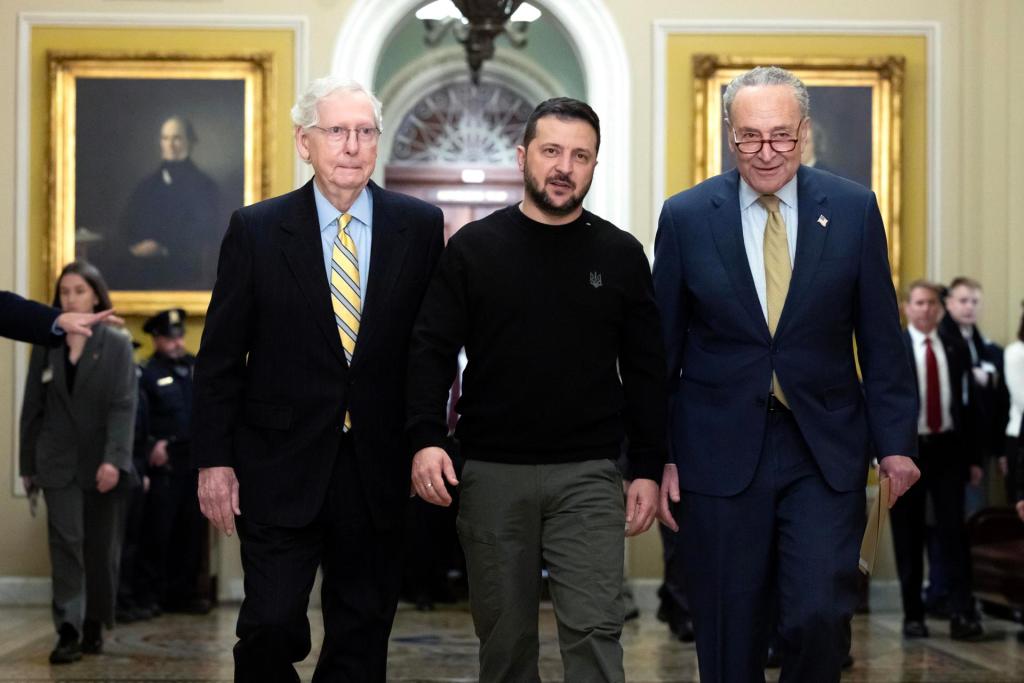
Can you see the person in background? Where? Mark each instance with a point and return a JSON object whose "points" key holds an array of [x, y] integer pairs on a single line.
{"points": [[129, 608], [175, 532], [1013, 367], [77, 423], [985, 392], [945, 447]]}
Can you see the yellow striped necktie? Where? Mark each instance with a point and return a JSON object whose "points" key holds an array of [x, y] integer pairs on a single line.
{"points": [[777, 272], [345, 291]]}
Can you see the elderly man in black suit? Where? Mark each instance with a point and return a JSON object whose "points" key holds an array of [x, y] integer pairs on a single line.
{"points": [[299, 395]]}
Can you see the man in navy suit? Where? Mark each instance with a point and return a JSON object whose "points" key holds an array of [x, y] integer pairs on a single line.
{"points": [[299, 396], [765, 276]]}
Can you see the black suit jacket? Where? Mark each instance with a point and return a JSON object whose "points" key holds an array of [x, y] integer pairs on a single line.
{"points": [[990, 405], [271, 381], [25, 320], [958, 365]]}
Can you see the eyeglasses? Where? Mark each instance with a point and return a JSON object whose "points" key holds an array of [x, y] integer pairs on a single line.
{"points": [[781, 145], [338, 134]]}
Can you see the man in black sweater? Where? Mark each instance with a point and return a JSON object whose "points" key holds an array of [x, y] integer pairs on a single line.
{"points": [[555, 308]]}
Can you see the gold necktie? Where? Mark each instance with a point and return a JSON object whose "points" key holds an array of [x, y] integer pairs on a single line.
{"points": [[777, 272], [345, 298]]}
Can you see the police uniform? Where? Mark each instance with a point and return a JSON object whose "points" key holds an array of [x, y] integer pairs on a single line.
{"points": [[172, 571]]}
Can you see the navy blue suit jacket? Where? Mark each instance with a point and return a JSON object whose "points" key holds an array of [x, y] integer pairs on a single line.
{"points": [[25, 320], [721, 354]]}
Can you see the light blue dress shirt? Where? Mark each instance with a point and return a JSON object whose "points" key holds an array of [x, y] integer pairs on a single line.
{"points": [[360, 228], [754, 217]]}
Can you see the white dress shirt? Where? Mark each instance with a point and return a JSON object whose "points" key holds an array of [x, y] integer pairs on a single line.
{"points": [[754, 217], [945, 391], [1013, 368]]}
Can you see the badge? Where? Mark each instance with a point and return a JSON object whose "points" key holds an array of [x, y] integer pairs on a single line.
{"points": [[47, 375], [165, 381]]}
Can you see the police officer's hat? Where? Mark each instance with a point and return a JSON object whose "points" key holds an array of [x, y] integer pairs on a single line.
{"points": [[169, 323]]}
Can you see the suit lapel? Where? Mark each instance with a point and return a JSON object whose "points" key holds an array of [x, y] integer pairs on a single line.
{"points": [[810, 241], [305, 256], [58, 377], [727, 229], [87, 366], [387, 253]]}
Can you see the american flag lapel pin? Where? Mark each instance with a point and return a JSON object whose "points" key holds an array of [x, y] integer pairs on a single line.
{"points": [[822, 221]]}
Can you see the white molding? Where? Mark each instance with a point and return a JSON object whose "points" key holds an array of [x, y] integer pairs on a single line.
{"points": [[930, 30], [447, 65], [24, 591], [595, 38]]}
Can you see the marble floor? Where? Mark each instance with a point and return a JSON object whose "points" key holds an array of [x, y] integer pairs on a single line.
{"points": [[439, 647]]}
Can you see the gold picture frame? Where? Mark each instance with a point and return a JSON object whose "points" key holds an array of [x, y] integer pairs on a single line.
{"points": [[107, 112], [864, 109]]}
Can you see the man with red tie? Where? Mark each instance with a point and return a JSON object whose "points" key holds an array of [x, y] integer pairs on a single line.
{"points": [[947, 453]]}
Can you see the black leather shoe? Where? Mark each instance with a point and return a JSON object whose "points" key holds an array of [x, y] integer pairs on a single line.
{"points": [[632, 614], [92, 637], [913, 628], [965, 627], [68, 650], [684, 630]]}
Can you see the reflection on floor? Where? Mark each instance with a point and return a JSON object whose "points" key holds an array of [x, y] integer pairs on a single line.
{"points": [[440, 647]]}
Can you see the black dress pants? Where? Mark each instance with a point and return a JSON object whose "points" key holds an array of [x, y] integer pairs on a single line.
{"points": [[361, 581], [943, 474]]}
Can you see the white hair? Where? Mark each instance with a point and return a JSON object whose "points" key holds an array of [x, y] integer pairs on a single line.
{"points": [[762, 76], [305, 114]]}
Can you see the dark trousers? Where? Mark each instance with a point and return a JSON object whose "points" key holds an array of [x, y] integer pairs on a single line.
{"points": [[361, 580], [85, 529], [942, 478], [787, 534], [571, 517], [672, 591], [174, 532], [131, 548]]}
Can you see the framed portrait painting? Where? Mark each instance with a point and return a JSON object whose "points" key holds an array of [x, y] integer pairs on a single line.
{"points": [[854, 131], [149, 156]]}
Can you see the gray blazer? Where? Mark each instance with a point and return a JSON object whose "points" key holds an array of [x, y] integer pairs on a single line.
{"points": [[65, 437]]}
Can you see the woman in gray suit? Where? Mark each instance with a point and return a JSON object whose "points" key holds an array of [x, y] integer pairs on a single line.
{"points": [[76, 444]]}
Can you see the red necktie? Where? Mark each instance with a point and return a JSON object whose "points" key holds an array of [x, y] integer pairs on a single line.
{"points": [[933, 397]]}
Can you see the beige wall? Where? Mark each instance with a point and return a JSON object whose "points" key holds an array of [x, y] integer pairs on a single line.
{"points": [[982, 195]]}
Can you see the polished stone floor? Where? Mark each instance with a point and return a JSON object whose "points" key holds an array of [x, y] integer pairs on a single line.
{"points": [[439, 647]]}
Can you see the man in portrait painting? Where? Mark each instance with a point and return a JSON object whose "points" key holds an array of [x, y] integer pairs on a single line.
{"points": [[170, 227]]}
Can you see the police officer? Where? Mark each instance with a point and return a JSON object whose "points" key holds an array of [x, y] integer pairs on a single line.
{"points": [[171, 572]]}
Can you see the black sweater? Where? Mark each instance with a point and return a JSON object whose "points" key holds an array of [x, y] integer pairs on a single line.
{"points": [[551, 318]]}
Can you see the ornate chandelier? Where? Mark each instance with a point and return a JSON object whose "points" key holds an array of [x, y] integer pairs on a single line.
{"points": [[475, 24]]}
